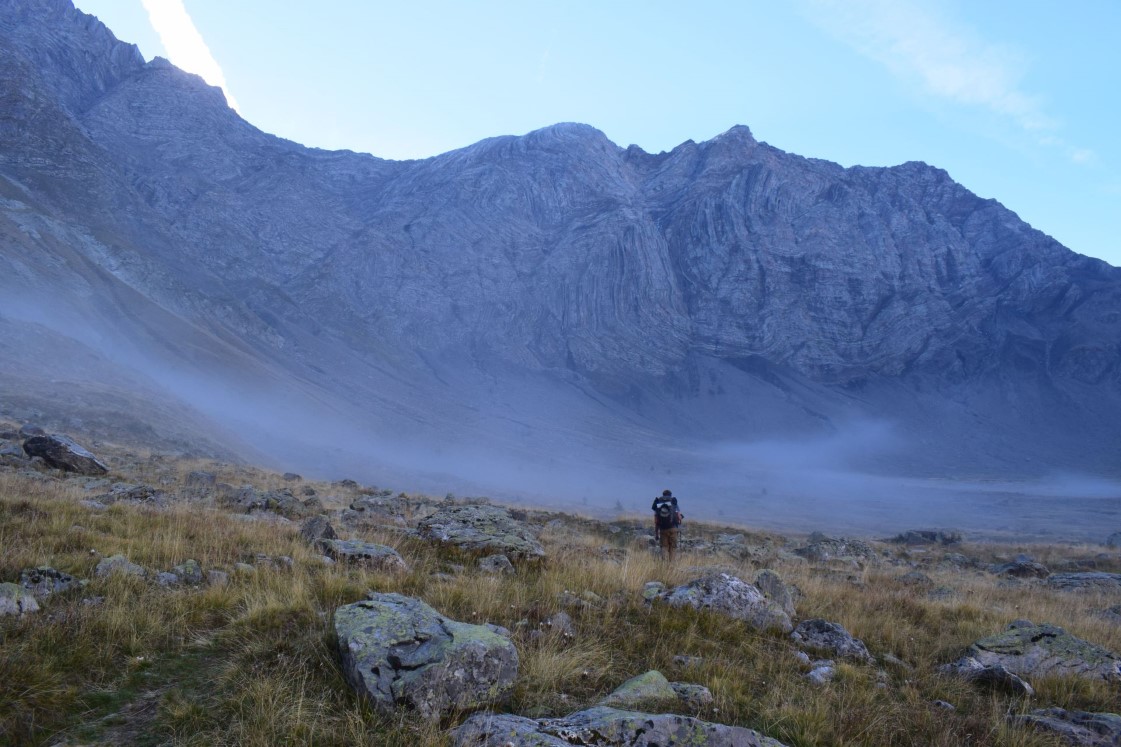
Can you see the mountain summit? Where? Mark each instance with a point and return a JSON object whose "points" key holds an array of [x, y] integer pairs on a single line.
{"points": [[549, 312]]}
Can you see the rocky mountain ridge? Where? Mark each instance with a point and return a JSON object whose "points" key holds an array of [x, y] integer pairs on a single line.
{"points": [[550, 300]]}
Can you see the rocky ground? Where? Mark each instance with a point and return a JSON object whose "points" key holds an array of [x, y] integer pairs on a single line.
{"points": [[150, 599]]}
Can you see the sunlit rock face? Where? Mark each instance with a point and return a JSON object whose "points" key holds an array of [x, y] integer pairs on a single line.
{"points": [[545, 296]]}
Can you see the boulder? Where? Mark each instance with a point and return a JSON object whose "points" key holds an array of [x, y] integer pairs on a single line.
{"points": [[43, 581], [62, 453], [995, 676], [603, 726], [821, 548], [118, 564], [1088, 581], [832, 637], [1044, 650], [650, 689], [1113, 540], [398, 651], [189, 571], [28, 430], [1113, 614], [731, 596], [15, 600], [374, 511], [481, 528], [927, 537], [1080, 728], [128, 492], [200, 479], [692, 696], [369, 554], [292, 477], [316, 529], [822, 672], [496, 564], [1022, 568], [775, 589]]}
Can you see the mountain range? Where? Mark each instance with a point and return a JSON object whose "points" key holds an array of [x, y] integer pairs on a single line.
{"points": [[543, 314]]}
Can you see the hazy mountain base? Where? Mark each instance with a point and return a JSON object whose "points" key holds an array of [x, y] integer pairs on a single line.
{"points": [[252, 661]]}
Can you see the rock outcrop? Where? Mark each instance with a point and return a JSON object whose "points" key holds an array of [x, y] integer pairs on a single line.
{"points": [[731, 596], [398, 651], [603, 727], [1088, 581], [369, 554], [483, 529], [1077, 728], [1030, 650], [61, 452], [831, 637]]}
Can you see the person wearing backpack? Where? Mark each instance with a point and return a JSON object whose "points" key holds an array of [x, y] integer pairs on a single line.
{"points": [[667, 520]]}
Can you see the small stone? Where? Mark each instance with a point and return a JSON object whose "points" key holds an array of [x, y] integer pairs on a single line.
{"points": [[217, 578], [118, 564], [163, 578], [496, 564]]}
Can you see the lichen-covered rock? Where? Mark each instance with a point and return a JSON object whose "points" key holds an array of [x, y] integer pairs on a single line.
{"points": [[200, 479], [1088, 581], [647, 689], [15, 600], [821, 548], [496, 564], [43, 581], [652, 590], [692, 696], [1079, 728], [63, 453], [481, 528], [398, 651], [731, 596], [189, 571], [774, 588], [1022, 568], [316, 529], [927, 537], [832, 637], [370, 554], [996, 676], [602, 726], [118, 564], [1044, 650]]}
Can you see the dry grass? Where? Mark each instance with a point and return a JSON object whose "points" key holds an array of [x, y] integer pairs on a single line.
{"points": [[253, 662]]}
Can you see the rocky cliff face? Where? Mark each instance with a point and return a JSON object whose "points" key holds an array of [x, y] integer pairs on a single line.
{"points": [[545, 294]]}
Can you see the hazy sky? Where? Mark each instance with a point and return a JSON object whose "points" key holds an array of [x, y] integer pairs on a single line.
{"points": [[1018, 100]]}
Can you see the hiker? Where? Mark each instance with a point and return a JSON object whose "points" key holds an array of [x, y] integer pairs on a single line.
{"points": [[667, 519]]}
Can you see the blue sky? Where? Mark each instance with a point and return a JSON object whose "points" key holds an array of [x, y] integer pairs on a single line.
{"points": [[1017, 100]]}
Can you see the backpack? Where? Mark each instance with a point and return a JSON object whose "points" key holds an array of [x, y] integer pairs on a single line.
{"points": [[665, 515]]}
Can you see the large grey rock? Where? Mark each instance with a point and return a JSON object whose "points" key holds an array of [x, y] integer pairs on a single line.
{"points": [[731, 596], [832, 637], [822, 548], [316, 529], [15, 600], [774, 588], [63, 453], [43, 581], [647, 689], [118, 564], [398, 651], [1022, 568], [996, 676], [927, 537], [1087, 581], [603, 727], [1079, 728], [1044, 650], [481, 528], [369, 554]]}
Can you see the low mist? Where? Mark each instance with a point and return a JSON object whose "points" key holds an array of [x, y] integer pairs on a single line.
{"points": [[794, 485]]}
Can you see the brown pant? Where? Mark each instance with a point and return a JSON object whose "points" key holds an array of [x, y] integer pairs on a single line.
{"points": [[668, 542]]}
